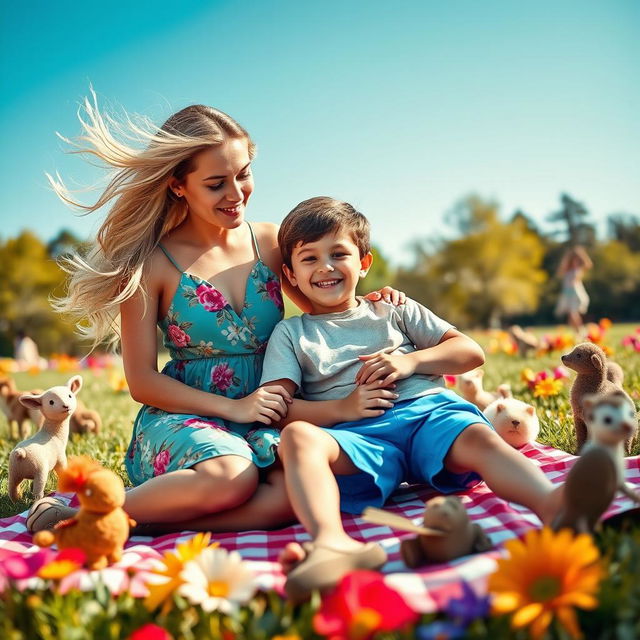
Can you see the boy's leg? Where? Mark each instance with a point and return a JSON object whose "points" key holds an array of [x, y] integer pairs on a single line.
{"points": [[505, 470], [311, 457]]}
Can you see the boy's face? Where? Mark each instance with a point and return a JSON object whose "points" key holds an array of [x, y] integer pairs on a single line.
{"points": [[327, 271]]}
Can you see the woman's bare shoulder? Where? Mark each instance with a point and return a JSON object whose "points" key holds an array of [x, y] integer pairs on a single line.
{"points": [[267, 237]]}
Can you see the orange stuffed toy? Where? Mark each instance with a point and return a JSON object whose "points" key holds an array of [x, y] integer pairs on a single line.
{"points": [[101, 526]]}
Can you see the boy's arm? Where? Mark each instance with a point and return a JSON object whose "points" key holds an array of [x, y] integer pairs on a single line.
{"points": [[365, 401], [455, 353]]}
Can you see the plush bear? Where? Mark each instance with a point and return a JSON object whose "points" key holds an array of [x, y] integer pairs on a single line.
{"points": [[515, 421], [101, 526], [448, 533]]}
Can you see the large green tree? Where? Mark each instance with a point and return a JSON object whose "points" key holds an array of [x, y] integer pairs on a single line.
{"points": [[492, 269]]}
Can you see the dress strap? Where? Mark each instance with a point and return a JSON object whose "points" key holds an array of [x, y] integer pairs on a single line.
{"points": [[255, 242], [170, 257]]}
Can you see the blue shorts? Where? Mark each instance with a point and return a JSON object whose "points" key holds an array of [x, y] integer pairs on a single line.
{"points": [[408, 443]]}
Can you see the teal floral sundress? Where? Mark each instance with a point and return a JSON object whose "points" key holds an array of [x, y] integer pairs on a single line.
{"points": [[214, 349]]}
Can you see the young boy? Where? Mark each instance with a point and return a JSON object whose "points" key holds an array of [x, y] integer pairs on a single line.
{"points": [[371, 376]]}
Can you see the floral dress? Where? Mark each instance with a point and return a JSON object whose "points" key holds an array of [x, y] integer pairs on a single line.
{"points": [[214, 349]]}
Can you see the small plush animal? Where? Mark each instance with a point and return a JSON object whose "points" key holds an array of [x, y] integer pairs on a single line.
{"points": [[598, 474], [101, 526], [18, 416], [35, 457], [470, 384], [515, 421], [85, 420], [590, 363], [525, 340], [447, 533]]}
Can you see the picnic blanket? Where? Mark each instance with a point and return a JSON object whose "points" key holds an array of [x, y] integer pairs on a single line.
{"points": [[426, 589]]}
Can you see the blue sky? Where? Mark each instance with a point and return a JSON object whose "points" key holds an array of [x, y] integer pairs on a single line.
{"points": [[400, 109]]}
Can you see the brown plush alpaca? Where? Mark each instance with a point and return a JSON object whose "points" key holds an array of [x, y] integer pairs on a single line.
{"points": [[18, 416], [598, 474], [590, 363], [101, 526], [35, 457], [470, 384], [85, 420]]}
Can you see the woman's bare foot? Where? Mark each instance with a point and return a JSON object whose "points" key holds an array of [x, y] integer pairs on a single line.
{"points": [[292, 555]]}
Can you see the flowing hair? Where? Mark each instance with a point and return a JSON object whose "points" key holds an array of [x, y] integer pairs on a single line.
{"points": [[141, 158]]}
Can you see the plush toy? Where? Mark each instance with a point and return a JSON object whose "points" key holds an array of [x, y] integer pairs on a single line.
{"points": [[447, 533], [515, 421], [85, 420], [35, 457], [101, 526], [590, 363], [18, 416], [470, 384], [598, 474], [525, 340]]}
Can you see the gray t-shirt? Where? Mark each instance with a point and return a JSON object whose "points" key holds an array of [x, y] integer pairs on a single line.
{"points": [[320, 352]]}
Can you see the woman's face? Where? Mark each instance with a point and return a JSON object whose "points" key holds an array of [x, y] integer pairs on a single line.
{"points": [[219, 187]]}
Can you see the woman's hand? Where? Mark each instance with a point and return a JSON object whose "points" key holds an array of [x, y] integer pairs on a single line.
{"points": [[388, 294], [266, 404], [384, 368], [368, 401]]}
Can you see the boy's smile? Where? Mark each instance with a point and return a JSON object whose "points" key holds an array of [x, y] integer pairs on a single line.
{"points": [[327, 271]]}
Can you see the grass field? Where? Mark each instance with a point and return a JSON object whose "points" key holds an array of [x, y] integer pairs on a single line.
{"points": [[616, 616]]}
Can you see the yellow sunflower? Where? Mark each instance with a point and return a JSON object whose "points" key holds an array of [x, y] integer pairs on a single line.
{"points": [[547, 574], [172, 564]]}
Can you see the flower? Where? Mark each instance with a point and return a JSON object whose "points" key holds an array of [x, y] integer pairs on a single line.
{"points": [[222, 376], [161, 462], [200, 423], [468, 607], [547, 387], [217, 580], [211, 299], [440, 630], [167, 576], [546, 574], [450, 381], [150, 631], [605, 324], [65, 562], [22, 566], [361, 605], [274, 291], [178, 336], [560, 373]]}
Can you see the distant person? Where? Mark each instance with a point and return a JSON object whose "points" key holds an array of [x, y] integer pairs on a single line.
{"points": [[26, 352], [574, 300]]}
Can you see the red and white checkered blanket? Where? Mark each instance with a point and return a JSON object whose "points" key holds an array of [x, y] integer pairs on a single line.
{"points": [[426, 589]]}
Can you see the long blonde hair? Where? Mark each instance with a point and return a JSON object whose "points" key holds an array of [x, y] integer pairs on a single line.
{"points": [[142, 158]]}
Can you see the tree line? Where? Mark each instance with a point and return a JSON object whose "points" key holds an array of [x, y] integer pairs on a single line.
{"points": [[488, 271]]}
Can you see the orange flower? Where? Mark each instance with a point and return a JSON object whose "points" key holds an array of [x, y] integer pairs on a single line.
{"points": [[67, 561], [547, 574], [547, 387], [605, 324]]}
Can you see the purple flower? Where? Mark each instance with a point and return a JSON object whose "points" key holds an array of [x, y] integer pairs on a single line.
{"points": [[468, 607]]}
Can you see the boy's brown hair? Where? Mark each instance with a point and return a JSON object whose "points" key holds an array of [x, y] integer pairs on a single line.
{"points": [[314, 218]]}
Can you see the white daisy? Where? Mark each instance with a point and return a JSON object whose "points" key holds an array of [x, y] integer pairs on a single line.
{"points": [[217, 579]]}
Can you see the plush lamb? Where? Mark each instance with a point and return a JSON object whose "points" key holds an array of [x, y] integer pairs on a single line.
{"points": [[35, 457]]}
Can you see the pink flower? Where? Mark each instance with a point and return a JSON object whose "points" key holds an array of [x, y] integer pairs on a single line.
{"points": [[22, 566], [560, 373], [199, 423], [150, 631], [161, 462], [274, 291], [222, 376], [211, 299], [178, 336]]}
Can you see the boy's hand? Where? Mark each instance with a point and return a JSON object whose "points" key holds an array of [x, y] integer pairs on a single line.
{"points": [[266, 404], [368, 401], [385, 368], [388, 294]]}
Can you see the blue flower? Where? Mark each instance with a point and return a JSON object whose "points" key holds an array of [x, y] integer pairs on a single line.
{"points": [[440, 630], [468, 607]]}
